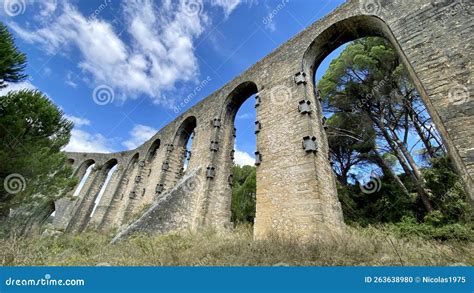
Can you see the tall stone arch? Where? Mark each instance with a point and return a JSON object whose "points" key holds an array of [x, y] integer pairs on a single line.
{"points": [[216, 209], [360, 26]]}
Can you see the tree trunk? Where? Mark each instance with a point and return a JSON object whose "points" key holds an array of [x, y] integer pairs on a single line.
{"points": [[420, 182], [419, 129], [417, 180], [389, 172]]}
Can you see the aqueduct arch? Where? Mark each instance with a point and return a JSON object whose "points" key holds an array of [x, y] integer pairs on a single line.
{"points": [[362, 26], [296, 193]]}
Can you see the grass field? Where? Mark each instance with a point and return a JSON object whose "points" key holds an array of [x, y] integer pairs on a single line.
{"points": [[361, 246]]}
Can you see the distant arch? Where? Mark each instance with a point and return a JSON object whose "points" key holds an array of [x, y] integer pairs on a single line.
{"points": [[82, 173], [153, 150], [233, 102], [237, 97], [106, 174], [185, 131], [134, 159], [109, 165], [79, 172]]}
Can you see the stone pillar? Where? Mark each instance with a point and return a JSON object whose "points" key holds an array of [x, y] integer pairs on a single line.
{"points": [[107, 197], [83, 200], [116, 214], [64, 207], [137, 195], [296, 194], [154, 175], [216, 211]]}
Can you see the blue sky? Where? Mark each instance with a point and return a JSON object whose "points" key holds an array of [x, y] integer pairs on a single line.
{"points": [[123, 70]]}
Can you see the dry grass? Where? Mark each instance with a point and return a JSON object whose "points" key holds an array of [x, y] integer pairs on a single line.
{"points": [[361, 246]]}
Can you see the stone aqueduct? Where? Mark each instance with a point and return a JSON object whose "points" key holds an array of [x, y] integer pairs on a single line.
{"points": [[296, 191]]}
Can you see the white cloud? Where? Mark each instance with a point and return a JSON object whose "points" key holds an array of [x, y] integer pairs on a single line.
{"points": [[138, 135], [243, 158], [227, 5], [83, 141], [47, 7], [159, 51], [17, 86], [70, 80], [78, 121]]}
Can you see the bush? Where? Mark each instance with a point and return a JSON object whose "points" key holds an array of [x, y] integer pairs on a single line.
{"points": [[449, 232]]}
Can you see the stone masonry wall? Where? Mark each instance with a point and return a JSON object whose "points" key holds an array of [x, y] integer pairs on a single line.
{"points": [[296, 191]]}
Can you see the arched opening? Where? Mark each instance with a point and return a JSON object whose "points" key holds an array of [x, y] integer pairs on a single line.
{"points": [[183, 143], [240, 118], [152, 151], [83, 173], [107, 173], [378, 118], [114, 213], [70, 161]]}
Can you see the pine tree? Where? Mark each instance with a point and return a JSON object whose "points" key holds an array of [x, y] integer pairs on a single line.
{"points": [[33, 169], [12, 61]]}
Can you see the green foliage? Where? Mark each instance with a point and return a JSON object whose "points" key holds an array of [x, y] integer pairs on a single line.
{"points": [[448, 195], [367, 91], [350, 139], [244, 188], [32, 132], [388, 205], [364, 68], [432, 229], [33, 170], [12, 61]]}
